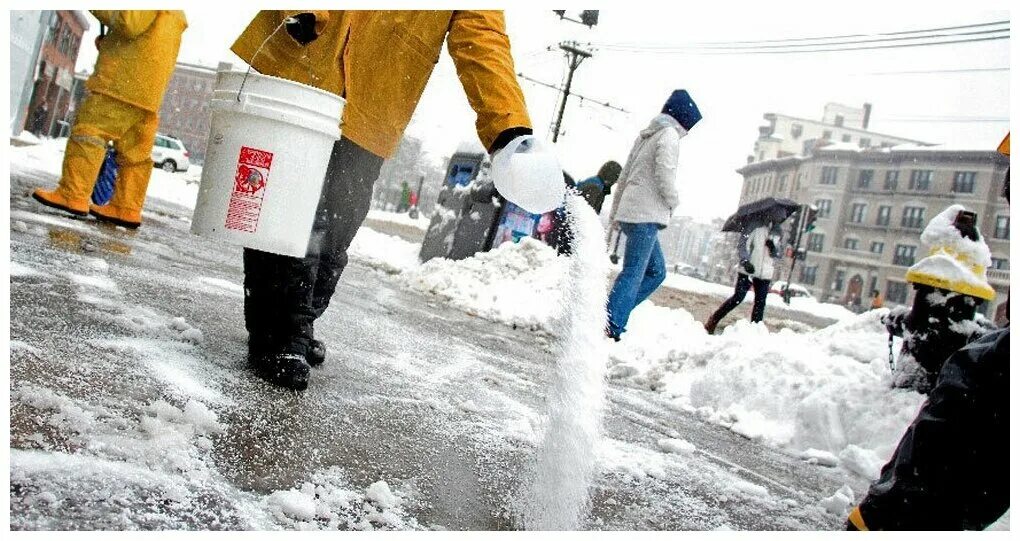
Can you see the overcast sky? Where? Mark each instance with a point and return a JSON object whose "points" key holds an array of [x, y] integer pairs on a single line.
{"points": [[732, 91]]}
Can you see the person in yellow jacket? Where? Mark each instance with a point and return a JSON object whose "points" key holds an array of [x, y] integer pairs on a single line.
{"points": [[380, 62], [135, 62]]}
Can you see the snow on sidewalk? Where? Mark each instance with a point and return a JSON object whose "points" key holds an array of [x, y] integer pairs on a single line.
{"points": [[824, 396]]}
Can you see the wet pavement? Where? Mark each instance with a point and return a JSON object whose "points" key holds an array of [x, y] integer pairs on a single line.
{"points": [[116, 334]]}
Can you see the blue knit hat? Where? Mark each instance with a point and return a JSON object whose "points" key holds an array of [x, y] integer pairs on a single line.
{"points": [[681, 107]]}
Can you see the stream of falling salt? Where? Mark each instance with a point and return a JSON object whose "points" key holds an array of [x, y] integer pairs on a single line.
{"points": [[557, 494]]}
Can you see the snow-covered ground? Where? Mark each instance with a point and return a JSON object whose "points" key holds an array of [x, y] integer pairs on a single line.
{"points": [[823, 396], [797, 304], [402, 218], [46, 155]]}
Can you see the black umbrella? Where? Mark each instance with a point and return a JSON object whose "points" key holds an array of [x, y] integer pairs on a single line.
{"points": [[758, 213]]}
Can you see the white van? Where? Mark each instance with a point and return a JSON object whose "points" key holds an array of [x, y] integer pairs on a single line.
{"points": [[169, 154]]}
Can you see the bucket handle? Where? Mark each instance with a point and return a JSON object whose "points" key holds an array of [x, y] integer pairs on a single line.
{"points": [[286, 21]]}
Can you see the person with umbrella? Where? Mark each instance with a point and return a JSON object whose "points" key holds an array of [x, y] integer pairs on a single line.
{"points": [[645, 201], [758, 248]]}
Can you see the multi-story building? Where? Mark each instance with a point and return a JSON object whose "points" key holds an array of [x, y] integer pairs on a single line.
{"points": [[185, 112], [691, 243], [872, 206], [791, 136], [49, 107]]}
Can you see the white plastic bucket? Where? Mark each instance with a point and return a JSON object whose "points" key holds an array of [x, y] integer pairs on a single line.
{"points": [[265, 163]]}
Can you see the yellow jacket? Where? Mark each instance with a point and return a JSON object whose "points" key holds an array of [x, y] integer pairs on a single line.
{"points": [[380, 62], [137, 56]]}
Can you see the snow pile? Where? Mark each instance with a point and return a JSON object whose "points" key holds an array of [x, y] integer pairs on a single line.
{"points": [[517, 283], [118, 469], [330, 502], [385, 252], [564, 466], [401, 218], [826, 393], [946, 244], [839, 503]]}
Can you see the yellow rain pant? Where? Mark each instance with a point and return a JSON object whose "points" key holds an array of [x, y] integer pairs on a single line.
{"points": [[132, 130]]}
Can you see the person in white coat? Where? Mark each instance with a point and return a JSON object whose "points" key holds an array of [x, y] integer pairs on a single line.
{"points": [[758, 249], [646, 198]]}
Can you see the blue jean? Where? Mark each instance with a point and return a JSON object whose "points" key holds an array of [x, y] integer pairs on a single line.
{"points": [[644, 269]]}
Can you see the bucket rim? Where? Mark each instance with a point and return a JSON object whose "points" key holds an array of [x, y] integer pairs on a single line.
{"points": [[243, 73]]}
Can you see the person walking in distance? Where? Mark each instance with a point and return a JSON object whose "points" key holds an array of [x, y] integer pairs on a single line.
{"points": [[758, 249], [644, 204]]}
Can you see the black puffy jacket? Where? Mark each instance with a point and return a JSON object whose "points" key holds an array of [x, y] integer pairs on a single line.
{"points": [[951, 468]]}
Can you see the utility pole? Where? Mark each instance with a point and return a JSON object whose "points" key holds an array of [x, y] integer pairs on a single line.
{"points": [[575, 55]]}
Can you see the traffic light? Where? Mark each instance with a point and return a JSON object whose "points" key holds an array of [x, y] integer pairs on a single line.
{"points": [[590, 17], [794, 219], [560, 12], [810, 217]]}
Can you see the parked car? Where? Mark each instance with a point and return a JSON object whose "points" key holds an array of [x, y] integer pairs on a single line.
{"points": [[169, 154], [779, 287]]}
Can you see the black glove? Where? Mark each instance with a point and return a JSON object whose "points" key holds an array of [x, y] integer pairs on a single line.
{"points": [[504, 138], [302, 29], [771, 246], [747, 266]]}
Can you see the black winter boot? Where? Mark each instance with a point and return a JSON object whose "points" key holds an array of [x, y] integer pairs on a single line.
{"points": [[316, 353], [288, 370]]}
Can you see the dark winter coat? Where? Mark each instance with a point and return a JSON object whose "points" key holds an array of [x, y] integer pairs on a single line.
{"points": [[594, 191], [951, 468]]}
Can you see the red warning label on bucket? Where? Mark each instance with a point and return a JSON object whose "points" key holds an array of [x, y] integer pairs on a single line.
{"points": [[249, 189]]}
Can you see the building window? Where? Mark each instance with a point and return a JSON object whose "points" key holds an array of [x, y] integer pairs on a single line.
{"points": [[913, 217], [891, 180], [837, 284], [846, 137], [896, 292], [963, 181], [809, 274], [850, 244], [838, 121], [865, 142], [782, 183], [1001, 227], [920, 179], [883, 215], [830, 174], [857, 213], [796, 130], [904, 255], [864, 178], [877, 247], [824, 207], [827, 134], [999, 263], [815, 242]]}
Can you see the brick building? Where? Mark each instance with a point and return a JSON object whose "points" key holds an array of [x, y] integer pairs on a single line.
{"points": [[185, 112], [49, 109]]}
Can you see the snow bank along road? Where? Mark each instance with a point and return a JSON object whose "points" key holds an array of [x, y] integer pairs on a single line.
{"points": [[131, 406]]}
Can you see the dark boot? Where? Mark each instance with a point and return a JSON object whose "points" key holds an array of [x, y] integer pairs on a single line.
{"points": [[710, 325], [316, 353], [288, 370]]}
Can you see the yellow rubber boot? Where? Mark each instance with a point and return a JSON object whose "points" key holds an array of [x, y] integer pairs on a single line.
{"points": [[134, 168], [83, 157]]}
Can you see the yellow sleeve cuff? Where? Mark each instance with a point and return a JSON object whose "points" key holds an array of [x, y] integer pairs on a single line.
{"points": [[857, 520]]}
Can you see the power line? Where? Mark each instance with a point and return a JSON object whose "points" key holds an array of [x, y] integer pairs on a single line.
{"points": [[925, 72], [721, 44], [583, 98], [796, 51]]}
